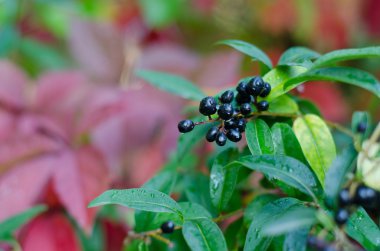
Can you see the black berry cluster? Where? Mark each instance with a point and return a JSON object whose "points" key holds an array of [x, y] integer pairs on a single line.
{"points": [[363, 196], [232, 110]]}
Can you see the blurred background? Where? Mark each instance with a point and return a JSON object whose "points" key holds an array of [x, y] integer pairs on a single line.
{"points": [[75, 121]]}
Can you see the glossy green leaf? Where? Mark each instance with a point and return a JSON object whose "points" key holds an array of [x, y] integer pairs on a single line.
{"points": [[259, 137], [8, 226], [256, 205], [173, 84], [346, 75], [139, 198], [197, 190], [203, 235], [194, 211], [346, 54], [290, 220], [308, 107], [255, 240], [296, 241], [361, 117], [336, 175], [297, 56], [285, 142], [361, 228], [223, 178], [316, 142], [250, 50], [279, 76], [285, 169], [283, 104]]}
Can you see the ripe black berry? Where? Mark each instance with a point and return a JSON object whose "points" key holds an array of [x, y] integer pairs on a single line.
{"points": [[366, 197], [241, 99], [255, 86], [185, 126], [245, 108], [167, 227], [341, 216], [240, 125], [227, 97], [362, 127], [266, 90], [242, 88], [221, 139], [225, 111], [344, 198], [230, 124], [212, 133], [263, 105], [234, 135], [207, 106]]}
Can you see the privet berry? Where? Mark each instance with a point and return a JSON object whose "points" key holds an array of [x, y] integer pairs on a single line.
{"points": [[362, 127], [212, 133], [226, 111], [341, 216], [227, 97], [255, 86], [240, 99], [185, 126], [344, 198], [234, 135], [263, 106], [366, 197], [245, 108], [208, 106], [242, 88], [167, 227], [266, 90], [221, 138]]}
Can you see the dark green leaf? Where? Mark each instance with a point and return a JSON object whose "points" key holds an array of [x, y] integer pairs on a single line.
{"points": [[8, 226], [139, 198], [285, 169], [346, 54], [259, 137], [336, 175], [194, 211], [297, 56], [160, 13], [255, 239], [235, 235], [296, 241], [285, 142], [307, 107], [249, 50], [256, 205], [290, 220], [163, 181], [203, 235], [347, 75], [361, 228], [223, 178], [173, 84], [279, 76], [316, 142]]}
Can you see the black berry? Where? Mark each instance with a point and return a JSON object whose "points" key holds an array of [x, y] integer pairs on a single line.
{"points": [[226, 111], [341, 216], [185, 126], [240, 125], [344, 198], [227, 97], [241, 99], [207, 106], [245, 108], [221, 139], [167, 227], [242, 88], [266, 90], [234, 135], [212, 133], [263, 105], [230, 124], [366, 197], [255, 86], [362, 127]]}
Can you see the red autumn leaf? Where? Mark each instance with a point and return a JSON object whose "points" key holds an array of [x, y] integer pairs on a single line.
{"points": [[50, 231], [12, 86]]}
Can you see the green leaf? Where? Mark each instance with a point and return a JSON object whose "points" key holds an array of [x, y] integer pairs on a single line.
{"points": [[290, 220], [259, 137], [346, 54], [316, 142], [285, 169], [160, 13], [203, 235], [296, 241], [336, 175], [194, 211], [297, 56], [256, 205], [250, 50], [255, 239], [361, 117], [361, 228], [173, 84], [279, 76], [285, 142], [346, 75], [283, 104], [8, 226], [306, 107], [223, 178], [164, 181], [139, 198]]}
